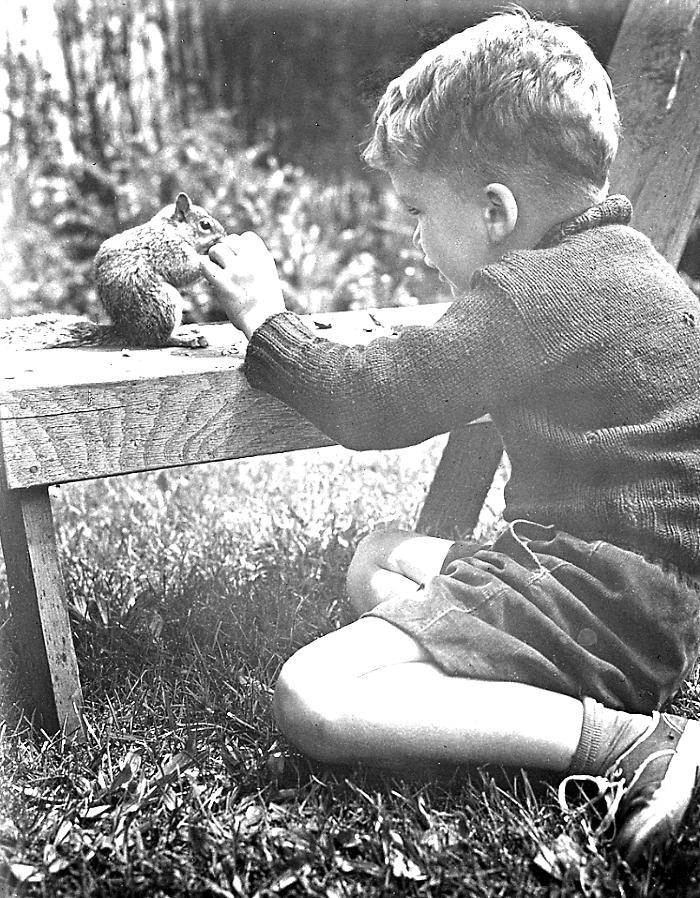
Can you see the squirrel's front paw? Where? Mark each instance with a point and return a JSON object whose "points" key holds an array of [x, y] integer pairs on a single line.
{"points": [[190, 338]]}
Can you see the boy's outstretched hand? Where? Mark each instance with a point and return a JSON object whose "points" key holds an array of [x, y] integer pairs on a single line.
{"points": [[243, 272]]}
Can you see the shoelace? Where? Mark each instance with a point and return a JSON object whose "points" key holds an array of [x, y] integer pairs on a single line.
{"points": [[604, 803], [609, 792]]}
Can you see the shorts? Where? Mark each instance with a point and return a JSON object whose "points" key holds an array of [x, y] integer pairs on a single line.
{"points": [[543, 607]]}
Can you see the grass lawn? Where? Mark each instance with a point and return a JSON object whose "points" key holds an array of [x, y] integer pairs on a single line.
{"points": [[188, 590]]}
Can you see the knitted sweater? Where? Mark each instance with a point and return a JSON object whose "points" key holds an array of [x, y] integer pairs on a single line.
{"points": [[585, 351]]}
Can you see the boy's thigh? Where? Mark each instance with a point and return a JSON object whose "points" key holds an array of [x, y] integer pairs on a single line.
{"points": [[544, 607], [352, 651]]}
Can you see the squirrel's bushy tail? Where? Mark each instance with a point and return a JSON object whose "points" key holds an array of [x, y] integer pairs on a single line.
{"points": [[55, 332]]}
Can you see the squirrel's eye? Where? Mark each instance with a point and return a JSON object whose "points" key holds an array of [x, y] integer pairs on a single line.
{"points": [[205, 224]]}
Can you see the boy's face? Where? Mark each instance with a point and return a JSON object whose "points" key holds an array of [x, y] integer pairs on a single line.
{"points": [[451, 228]]}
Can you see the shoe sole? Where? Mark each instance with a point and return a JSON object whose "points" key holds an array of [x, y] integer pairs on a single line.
{"points": [[662, 815]]}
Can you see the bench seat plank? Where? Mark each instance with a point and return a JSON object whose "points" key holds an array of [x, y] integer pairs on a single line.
{"points": [[72, 414]]}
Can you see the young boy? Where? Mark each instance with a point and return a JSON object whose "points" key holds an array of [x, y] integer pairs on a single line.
{"points": [[555, 646]]}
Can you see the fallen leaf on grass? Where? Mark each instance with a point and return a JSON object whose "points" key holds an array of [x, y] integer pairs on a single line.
{"points": [[63, 831], [559, 858], [127, 773], [55, 862], [332, 892], [9, 834], [403, 867], [250, 820], [348, 838], [199, 840], [218, 890], [25, 872], [173, 768], [288, 879], [275, 764], [357, 865], [96, 810]]}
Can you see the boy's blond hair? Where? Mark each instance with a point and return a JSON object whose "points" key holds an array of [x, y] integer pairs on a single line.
{"points": [[512, 93]]}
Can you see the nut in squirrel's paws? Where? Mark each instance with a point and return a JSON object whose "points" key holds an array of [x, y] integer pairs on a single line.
{"points": [[190, 338]]}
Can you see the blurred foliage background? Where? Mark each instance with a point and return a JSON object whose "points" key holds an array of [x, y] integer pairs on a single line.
{"points": [[257, 108]]}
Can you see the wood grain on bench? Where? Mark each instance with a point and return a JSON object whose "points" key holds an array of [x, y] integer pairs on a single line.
{"points": [[68, 414]]}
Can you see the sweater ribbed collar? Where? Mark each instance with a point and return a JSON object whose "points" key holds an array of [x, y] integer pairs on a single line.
{"points": [[615, 209]]}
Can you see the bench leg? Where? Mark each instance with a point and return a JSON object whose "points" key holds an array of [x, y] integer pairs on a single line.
{"points": [[462, 480], [39, 615]]}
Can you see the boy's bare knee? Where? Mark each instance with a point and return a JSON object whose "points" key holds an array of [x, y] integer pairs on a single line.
{"points": [[372, 552], [304, 709]]}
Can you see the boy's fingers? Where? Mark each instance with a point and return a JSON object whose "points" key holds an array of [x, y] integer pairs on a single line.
{"points": [[229, 241], [211, 270], [222, 253], [252, 243], [248, 246], [251, 238]]}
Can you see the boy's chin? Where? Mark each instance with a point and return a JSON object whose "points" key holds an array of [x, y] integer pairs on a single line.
{"points": [[455, 289]]}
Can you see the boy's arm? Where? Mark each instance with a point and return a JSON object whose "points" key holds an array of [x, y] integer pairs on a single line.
{"points": [[393, 392]]}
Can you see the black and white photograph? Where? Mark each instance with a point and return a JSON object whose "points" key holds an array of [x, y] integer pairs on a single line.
{"points": [[350, 449]]}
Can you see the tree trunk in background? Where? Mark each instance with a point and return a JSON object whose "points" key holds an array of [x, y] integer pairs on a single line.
{"points": [[33, 124], [83, 75], [114, 56], [185, 63], [92, 75], [34, 90]]}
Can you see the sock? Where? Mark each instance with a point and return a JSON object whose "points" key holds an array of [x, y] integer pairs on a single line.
{"points": [[605, 734]]}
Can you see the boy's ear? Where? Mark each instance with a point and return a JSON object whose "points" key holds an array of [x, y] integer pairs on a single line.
{"points": [[500, 212]]}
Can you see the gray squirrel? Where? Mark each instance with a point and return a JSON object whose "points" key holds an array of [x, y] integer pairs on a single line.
{"points": [[138, 274]]}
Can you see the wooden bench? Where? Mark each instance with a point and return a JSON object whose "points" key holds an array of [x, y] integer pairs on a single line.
{"points": [[75, 414], [86, 413]]}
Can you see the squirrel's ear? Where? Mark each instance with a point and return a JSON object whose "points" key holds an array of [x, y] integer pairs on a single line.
{"points": [[182, 206]]}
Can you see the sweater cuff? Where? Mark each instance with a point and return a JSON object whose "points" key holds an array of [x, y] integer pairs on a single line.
{"points": [[272, 347]]}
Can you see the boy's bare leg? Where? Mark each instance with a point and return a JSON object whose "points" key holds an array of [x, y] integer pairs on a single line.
{"points": [[370, 692]]}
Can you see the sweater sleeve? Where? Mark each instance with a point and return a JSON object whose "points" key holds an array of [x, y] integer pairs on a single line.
{"points": [[398, 391]]}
